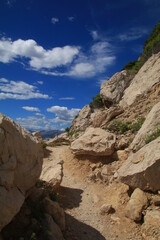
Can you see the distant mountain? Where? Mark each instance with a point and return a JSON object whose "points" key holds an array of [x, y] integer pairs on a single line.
{"points": [[50, 133]]}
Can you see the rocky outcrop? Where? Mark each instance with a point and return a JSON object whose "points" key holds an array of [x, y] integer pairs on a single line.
{"points": [[55, 211], [137, 203], [141, 169], [112, 89], [52, 171], [143, 82], [82, 121], [61, 139], [38, 135], [95, 141], [148, 127], [20, 166]]}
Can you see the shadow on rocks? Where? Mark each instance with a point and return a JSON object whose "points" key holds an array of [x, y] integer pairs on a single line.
{"points": [[70, 197], [77, 230]]}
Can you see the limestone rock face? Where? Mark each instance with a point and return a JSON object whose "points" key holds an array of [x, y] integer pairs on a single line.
{"points": [[112, 89], [20, 166], [82, 121], [144, 80], [95, 141], [141, 169], [148, 127], [137, 203]]}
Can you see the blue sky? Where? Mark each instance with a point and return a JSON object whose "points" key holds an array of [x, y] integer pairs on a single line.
{"points": [[55, 54]]}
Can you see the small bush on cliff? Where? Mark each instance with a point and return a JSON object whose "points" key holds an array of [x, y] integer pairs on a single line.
{"points": [[122, 127], [97, 102], [153, 136], [118, 126], [151, 46]]}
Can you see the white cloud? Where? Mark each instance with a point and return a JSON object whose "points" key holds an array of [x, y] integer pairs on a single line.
{"points": [[67, 98], [63, 114], [36, 123], [39, 114], [73, 61], [94, 35], [38, 57], [71, 19], [31, 109], [54, 20], [40, 82], [133, 34], [98, 59], [19, 90], [83, 69]]}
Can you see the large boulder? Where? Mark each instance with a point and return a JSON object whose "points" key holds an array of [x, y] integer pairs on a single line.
{"points": [[148, 127], [20, 166], [95, 141], [112, 89], [144, 80], [82, 121], [141, 169]]}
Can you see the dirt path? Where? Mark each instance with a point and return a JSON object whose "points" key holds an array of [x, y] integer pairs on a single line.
{"points": [[82, 199]]}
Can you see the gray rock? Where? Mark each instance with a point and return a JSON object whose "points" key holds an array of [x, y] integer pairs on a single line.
{"points": [[95, 141], [144, 80], [20, 166], [106, 209], [54, 232], [137, 203], [141, 169], [55, 211], [82, 121], [151, 227], [112, 89], [148, 127]]}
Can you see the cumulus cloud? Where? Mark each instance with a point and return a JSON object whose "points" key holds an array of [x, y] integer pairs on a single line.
{"points": [[38, 57], [36, 123], [54, 20], [133, 34], [31, 109], [63, 114], [100, 56], [19, 90], [68, 61]]}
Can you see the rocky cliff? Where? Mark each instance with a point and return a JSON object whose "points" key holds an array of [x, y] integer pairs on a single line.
{"points": [[20, 166]]}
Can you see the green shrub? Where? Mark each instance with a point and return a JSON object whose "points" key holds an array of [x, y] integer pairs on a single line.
{"points": [[153, 136], [122, 127], [118, 126], [151, 46], [44, 145], [67, 129], [97, 102], [137, 125]]}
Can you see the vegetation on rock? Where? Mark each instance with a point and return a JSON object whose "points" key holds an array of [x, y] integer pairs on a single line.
{"points": [[97, 102], [151, 46], [153, 136], [122, 127]]}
